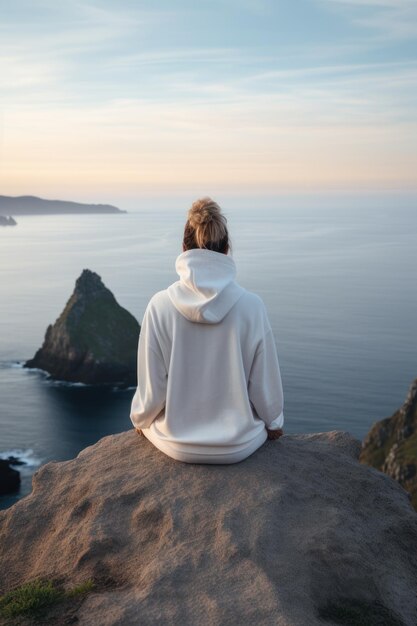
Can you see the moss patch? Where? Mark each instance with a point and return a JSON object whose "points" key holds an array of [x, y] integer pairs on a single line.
{"points": [[374, 454], [106, 329], [407, 450], [34, 598]]}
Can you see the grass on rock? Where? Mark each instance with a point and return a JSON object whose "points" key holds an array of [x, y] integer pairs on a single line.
{"points": [[33, 598]]}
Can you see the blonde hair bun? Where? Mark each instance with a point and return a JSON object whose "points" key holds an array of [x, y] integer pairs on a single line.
{"points": [[203, 211], [207, 223]]}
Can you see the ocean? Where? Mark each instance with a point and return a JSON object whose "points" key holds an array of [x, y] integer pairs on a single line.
{"points": [[339, 287]]}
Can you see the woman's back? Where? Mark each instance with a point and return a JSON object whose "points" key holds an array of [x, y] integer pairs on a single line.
{"points": [[208, 373]]}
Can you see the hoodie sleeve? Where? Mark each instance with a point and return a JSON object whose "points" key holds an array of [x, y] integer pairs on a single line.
{"points": [[150, 395], [265, 384]]}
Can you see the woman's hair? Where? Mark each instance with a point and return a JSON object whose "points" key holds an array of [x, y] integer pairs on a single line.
{"points": [[206, 227]]}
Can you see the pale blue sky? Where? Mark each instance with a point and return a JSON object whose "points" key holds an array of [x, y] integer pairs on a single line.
{"points": [[111, 101]]}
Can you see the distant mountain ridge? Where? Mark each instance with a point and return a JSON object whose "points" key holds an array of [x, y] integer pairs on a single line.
{"points": [[32, 205]]}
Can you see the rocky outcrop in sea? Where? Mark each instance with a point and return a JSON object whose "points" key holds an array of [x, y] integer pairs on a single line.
{"points": [[391, 445], [9, 477], [93, 341], [7, 220], [298, 534]]}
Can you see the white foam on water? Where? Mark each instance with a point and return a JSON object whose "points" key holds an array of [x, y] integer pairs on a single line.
{"points": [[11, 364], [26, 455], [65, 383]]}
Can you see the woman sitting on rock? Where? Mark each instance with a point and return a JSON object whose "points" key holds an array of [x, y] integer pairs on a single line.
{"points": [[209, 383]]}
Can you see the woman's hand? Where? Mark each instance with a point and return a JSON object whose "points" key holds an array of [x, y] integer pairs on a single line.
{"points": [[274, 434]]}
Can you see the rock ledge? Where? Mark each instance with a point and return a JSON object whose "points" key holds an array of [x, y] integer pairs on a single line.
{"points": [[286, 537]]}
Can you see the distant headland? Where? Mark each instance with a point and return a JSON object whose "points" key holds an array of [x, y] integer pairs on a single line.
{"points": [[32, 205]]}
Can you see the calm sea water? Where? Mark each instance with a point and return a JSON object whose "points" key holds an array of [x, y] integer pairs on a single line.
{"points": [[339, 286]]}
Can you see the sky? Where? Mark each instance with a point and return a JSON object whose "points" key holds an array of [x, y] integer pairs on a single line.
{"points": [[118, 101]]}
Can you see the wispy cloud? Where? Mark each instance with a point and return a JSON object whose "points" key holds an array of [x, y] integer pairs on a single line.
{"points": [[24, 74], [387, 19], [77, 28], [126, 95]]}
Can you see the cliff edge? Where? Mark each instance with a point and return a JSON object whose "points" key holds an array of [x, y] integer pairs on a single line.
{"points": [[298, 534], [391, 445]]}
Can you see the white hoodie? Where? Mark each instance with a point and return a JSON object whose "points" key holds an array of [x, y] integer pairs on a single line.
{"points": [[208, 374]]}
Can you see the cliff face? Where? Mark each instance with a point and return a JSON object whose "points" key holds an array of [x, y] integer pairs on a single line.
{"points": [[94, 340], [391, 445], [298, 534]]}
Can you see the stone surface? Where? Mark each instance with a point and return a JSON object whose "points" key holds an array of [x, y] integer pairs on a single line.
{"points": [[294, 535], [391, 445], [93, 341]]}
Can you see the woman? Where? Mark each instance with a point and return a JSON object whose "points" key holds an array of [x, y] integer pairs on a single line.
{"points": [[209, 383]]}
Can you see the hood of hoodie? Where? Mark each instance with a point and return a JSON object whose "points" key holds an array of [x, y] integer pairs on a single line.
{"points": [[207, 288]]}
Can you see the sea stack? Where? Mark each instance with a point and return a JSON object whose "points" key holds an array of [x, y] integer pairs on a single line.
{"points": [[9, 477], [391, 445], [93, 341], [7, 220]]}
